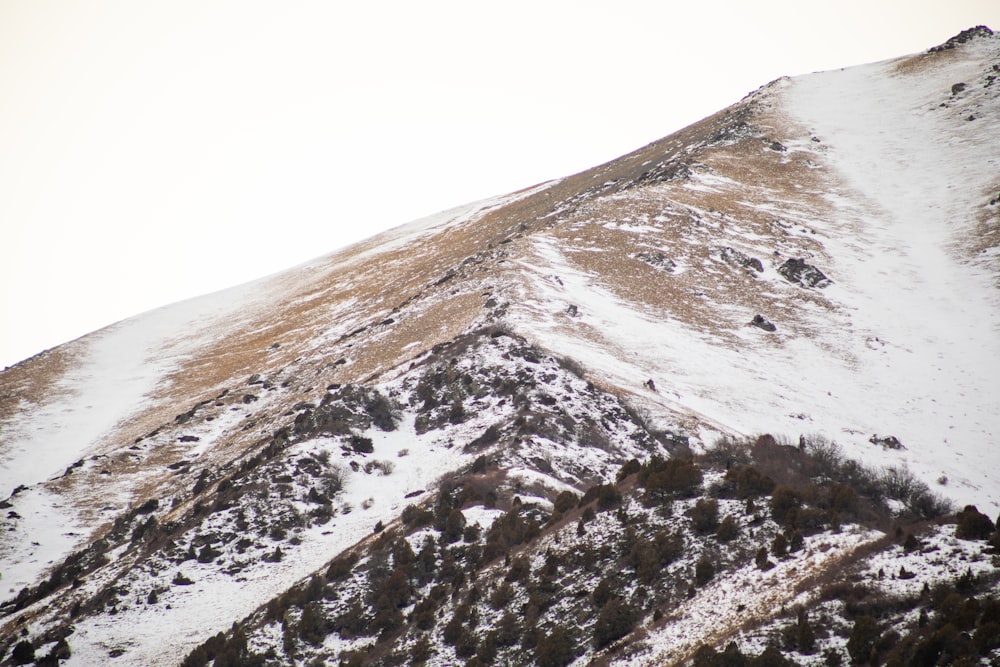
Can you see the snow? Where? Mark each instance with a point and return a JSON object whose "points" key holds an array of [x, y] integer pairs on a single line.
{"points": [[729, 602], [192, 612], [910, 346], [913, 175]]}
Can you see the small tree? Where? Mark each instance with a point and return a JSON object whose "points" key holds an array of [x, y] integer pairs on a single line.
{"points": [[614, 622], [704, 571], [762, 561], [556, 649], [864, 636], [728, 529], [779, 547], [972, 524], [705, 515], [805, 638]]}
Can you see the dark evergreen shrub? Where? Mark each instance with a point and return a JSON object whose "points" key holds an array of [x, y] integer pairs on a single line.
{"points": [[864, 635], [972, 524], [784, 501], [602, 592], [501, 596], [341, 566], [705, 515], [555, 649], [704, 571], [565, 501], [615, 621], [416, 517], [761, 560], [312, 624], [779, 547], [664, 479], [454, 526], [362, 445], [728, 529]]}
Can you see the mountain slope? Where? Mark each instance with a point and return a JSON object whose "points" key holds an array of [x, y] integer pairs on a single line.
{"points": [[819, 259]]}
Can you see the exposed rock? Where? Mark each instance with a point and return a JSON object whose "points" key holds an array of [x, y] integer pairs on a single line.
{"points": [[887, 442], [957, 88], [962, 38], [737, 258], [797, 271], [761, 323], [657, 260]]}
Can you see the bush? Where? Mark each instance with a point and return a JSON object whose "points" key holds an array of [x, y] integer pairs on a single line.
{"points": [[614, 622], [864, 636], [454, 526], [973, 525], [362, 445], [664, 479], [728, 529], [312, 625], [705, 515], [341, 566], [556, 649], [748, 482], [416, 517], [704, 571], [761, 560], [784, 501]]}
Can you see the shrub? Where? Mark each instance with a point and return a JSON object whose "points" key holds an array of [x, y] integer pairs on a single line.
{"points": [[987, 637], [416, 517], [784, 501], [728, 529], [864, 636], [362, 445], [565, 501], [664, 479], [705, 515], [704, 571], [380, 409], [748, 482], [779, 547], [520, 567], [341, 566], [614, 622], [312, 625], [555, 649], [973, 525], [454, 526], [805, 638], [501, 596], [761, 560]]}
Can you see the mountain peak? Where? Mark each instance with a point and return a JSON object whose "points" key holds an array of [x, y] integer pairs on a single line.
{"points": [[718, 397], [967, 35]]}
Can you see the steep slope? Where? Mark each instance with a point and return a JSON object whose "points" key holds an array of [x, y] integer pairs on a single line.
{"points": [[819, 259]]}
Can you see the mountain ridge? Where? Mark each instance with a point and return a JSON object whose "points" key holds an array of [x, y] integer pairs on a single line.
{"points": [[689, 292]]}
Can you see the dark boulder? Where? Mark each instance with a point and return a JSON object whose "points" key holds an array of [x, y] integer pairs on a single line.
{"points": [[797, 271], [736, 258], [761, 323], [886, 442]]}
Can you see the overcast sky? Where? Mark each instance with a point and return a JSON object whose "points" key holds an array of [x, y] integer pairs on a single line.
{"points": [[154, 151]]}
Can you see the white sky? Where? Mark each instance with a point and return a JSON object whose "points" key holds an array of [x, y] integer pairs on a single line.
{"points": [[154, 151]]}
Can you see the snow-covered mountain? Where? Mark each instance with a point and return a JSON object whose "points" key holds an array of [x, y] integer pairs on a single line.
{"points": [[373, 456]]}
